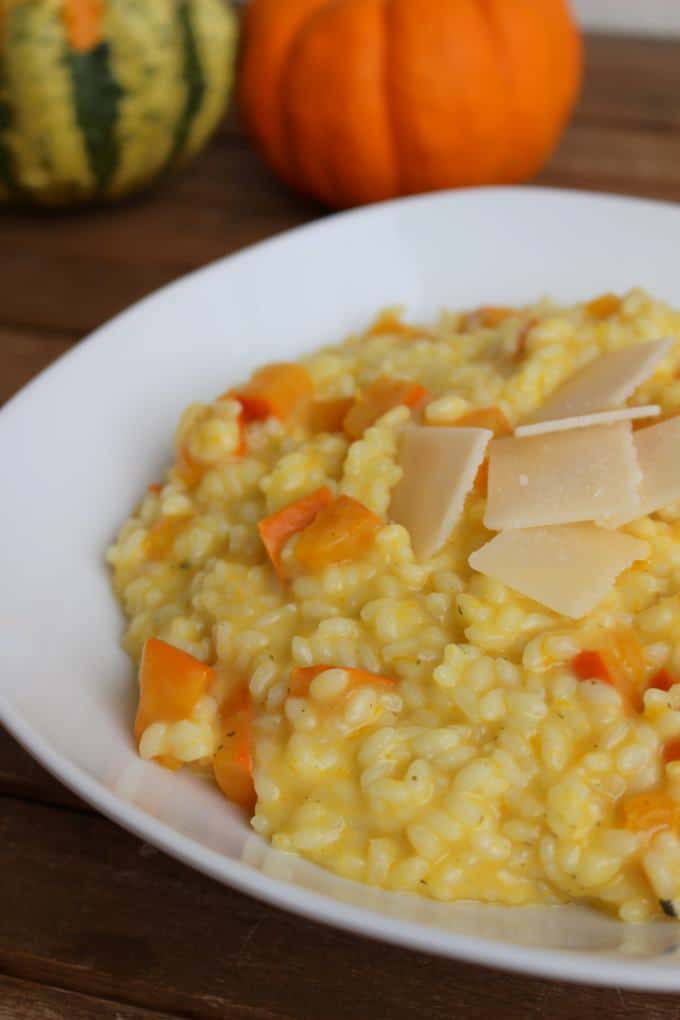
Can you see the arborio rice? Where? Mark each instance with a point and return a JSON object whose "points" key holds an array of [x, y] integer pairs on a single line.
{"points": [[476, 762]]}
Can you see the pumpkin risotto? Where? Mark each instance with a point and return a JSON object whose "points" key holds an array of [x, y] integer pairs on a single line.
{"points": [[414, 602]]}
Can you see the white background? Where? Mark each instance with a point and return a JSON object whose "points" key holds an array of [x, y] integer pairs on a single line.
{"points": [[659, 17]]}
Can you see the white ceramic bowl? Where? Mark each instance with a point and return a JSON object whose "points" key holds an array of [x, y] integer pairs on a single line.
{"points": [[82, 441]]}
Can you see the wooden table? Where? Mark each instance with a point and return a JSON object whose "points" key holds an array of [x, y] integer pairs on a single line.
{"points": [[95, 924]]}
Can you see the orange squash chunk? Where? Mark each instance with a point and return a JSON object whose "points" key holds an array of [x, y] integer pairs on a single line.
{"points": [[342, 531], [277, 529], [233, 761], [170, 684], [275, 391], [301, 679], [671, 751], [327, 415], [380, 397], [604, 306], [650, 812], [592, 665], [619, 661], [663, 680]]}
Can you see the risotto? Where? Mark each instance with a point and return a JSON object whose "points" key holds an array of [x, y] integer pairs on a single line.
{"points": [[312, 634]]}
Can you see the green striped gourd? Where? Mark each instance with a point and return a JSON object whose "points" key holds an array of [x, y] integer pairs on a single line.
{"points": [[98, 98]]}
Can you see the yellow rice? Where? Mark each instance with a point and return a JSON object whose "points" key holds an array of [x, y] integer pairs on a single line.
{"points": [[489, 772]]}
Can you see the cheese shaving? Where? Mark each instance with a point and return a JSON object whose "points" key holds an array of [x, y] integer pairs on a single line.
{"points": [[606, 382], [567, 568], [439, 466], [588, 474], [658, 453], [584, 421]]}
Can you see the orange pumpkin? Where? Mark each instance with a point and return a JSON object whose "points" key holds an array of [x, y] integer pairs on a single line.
{"points": [[355, 101]]}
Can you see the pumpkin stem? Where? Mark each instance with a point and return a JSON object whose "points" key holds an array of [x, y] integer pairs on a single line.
{"points": [[83, 20]]}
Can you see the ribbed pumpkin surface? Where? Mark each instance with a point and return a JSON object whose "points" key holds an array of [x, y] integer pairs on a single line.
{"points": [[100, 97], [359, 100]]}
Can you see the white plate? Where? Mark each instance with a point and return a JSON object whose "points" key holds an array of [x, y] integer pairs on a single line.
{"points": [[81, 442]]}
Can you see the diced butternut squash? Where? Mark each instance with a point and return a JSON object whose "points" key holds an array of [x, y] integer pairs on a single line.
{"points": [[301, 679], [619, 661], [233, 761], [671, 751], [162, 536], [663, 680], [275, 391], [486, 418], [487, 317], [327, 415], [650, 812], [604, 306], [170, 684], [592, 665], [379, 398], [343, 530], [277, 529]]}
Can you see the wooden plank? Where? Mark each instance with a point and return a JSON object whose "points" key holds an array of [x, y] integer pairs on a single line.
{"points": [[73, 294], [89, 265], [91, 910], [22, 777], [618, 159], [225, 199], [23, 1000], [633, 81]]}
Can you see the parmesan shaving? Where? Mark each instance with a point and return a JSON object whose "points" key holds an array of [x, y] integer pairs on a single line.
{"points": [[584, 421], [606, 382], [439, 466], [588, 474], [568, 568], [658, 452]]}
